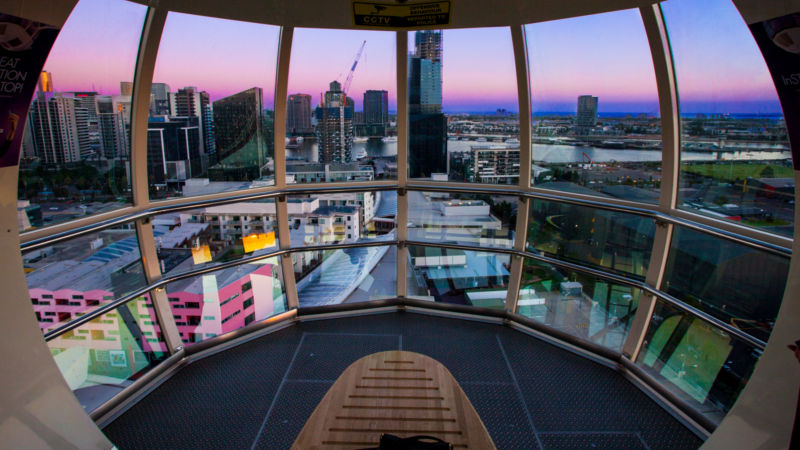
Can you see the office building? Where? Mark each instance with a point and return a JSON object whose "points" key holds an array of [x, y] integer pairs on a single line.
{"points": [[376, 112], [173, 149], [241, 150], [159, 100], [126, 88], [587, 113], [298, 114], [427, 126]]}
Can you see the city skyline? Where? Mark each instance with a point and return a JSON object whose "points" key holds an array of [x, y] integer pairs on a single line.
{"points": [[191, 56]]}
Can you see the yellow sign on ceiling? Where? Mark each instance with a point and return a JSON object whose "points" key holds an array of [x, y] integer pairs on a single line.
{"points": [[401, 15]]}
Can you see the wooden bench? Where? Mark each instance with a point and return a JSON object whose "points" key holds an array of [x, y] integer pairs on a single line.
{"points": [[395, 392]]}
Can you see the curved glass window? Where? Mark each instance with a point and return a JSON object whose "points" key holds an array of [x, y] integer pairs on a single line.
{"points": [[700, 363], [463, 123], [226, 300], [464, 277], [732, 282], [188, 240], [467, 219], [358, 274], [617, 241], [211, 108], [105, 355], [735, 158], [341, 111], [71, 278], [581, 305], [76, 147], [596, 125]]}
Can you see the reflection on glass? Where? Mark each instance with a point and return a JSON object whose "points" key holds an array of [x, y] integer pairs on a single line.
{"points": [[699, 362], [462, 105], [458, 276], [211, 120], [480, 220], [209, 305], [596, 125], [340, 218], [349, 133], [105, 355], [735, 159], [616, 241], [204, 237], [578, 304], [71, 278], [76, 144], [345, 276], [737, 284]]}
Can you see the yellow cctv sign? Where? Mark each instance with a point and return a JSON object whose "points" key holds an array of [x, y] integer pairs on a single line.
{"points": [[404, 15]]}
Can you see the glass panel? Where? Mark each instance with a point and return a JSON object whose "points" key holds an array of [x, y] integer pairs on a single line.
{"points": [[468, 219], [610, 240], [345, 276], [196, 238], [696, 361], [76, 146], [70, 278], [462, 103], [211, 108], [735, 158], [458, 276], [578, 304], [105, 355], [349, 133], [345, 217], [209, 305], [737, 284], [596, 125]]}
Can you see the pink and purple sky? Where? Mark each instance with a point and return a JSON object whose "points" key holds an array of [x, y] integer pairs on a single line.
{"points": [[718, 66]]}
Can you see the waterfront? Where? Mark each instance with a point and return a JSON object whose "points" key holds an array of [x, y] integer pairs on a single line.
{"points": [[549, 153]]}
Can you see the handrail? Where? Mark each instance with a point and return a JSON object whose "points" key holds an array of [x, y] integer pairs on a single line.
{"points": [[598, 273], [597, 204]]}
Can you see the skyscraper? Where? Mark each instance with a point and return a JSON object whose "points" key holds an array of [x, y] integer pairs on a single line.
{"points": [[335, 126], [113, 135], [238, 132], [587, 113], [376, 112], [159, 105], [298, 114], [190, 102], [55, 129], [46, 82], [427, 125], [173, 149]]}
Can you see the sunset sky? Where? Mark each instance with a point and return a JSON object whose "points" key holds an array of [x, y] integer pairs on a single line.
{"points": [[718, 66]]}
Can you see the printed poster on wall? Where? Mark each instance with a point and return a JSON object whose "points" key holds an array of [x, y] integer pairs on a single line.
{"points": [[24, 46], [779, 41]]}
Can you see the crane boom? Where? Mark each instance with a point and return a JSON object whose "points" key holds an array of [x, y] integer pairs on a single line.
{"points": [[349, 79]]}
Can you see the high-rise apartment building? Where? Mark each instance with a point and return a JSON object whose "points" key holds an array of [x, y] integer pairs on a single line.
{"points": [[426, 124], [191, 102], [298, 114], [113, 133], [55, 129], [335, 126], [126, 88], [587, 113], [239, 136]]}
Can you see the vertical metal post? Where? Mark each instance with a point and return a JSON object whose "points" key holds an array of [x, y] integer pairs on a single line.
{"points": [[670, 125], [401, 221], [284, 239], [140, 112], [524, 102], [281, 88]]}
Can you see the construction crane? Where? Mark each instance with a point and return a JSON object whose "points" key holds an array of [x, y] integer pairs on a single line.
{"points": [[349, 79]]}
